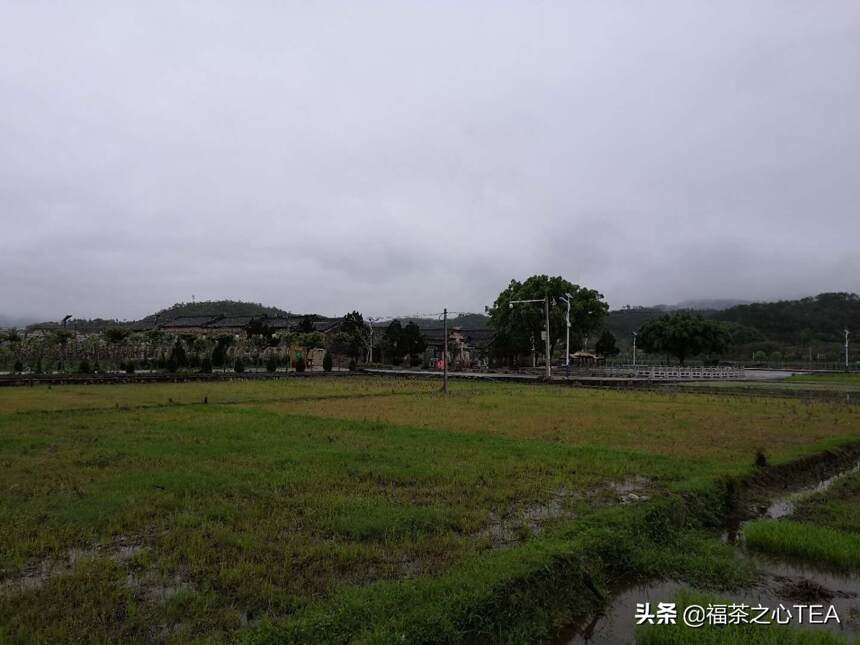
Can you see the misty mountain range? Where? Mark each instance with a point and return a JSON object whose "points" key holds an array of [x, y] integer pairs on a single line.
{"points": [[234, 308]]}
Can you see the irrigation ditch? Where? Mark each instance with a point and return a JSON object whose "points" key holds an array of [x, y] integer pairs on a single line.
{"points": [[770, 493]]}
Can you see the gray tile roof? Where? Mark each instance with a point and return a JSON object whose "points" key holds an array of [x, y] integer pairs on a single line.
{"points": [[188, 321]]}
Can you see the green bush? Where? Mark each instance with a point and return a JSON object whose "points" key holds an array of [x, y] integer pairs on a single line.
{"points": [[352, 364], [206, 365], [327, 362], [129, 367], [238, 366], [178, 355], [272, 364], [18, 367]]}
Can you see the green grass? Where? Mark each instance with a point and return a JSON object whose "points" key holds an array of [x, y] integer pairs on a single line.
{"points": [[742, 634], [316, 509], [824, 528], [836, 377], [838, 507], [798, 385], [820, 544]]}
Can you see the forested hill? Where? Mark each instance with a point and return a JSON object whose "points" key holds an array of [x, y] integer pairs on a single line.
{"points": [[214, 308], [822, 317], [623, 322], [772, 326]]}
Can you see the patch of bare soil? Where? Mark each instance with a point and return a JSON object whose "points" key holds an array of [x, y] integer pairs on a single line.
{"points": [[806, 590], [522, 521], [122, 549]]}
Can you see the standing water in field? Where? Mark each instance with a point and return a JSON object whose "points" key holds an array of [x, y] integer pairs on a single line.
{"points": [[782, 582], [785, 506]]}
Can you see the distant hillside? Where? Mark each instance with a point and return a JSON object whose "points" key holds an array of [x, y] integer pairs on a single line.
{"points": [[791, 328], [709, 304], [623, 322], [15, 322], [206, 308], [213, 308], [821, 318], [464, 321]]}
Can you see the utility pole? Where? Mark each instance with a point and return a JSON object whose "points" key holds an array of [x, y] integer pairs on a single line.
{"points": [[635, 334], [545, 301], [846, 349], [548, 357], [445, 351], [566, 298]]}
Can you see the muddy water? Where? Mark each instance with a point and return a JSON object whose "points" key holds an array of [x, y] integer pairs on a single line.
{"points": [[785, 582], [785, 506], [782, 583]]}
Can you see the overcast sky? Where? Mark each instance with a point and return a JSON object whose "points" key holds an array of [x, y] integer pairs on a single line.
{"points": [[401, 157]]}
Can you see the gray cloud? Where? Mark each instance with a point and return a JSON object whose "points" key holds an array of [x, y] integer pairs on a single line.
{"points": [[400, 157]]}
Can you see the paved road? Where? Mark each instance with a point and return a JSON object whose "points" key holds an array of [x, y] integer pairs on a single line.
{"points": [[768, 375], [558, 375]]}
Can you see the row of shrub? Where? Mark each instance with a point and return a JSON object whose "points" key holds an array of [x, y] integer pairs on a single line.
{"points": [[172, 366]]}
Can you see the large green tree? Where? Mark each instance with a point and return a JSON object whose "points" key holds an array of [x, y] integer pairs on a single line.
{"points": [[399, 342], [391, 342], [116, 337], [412, 343], [354, 326], [683, 335], [516, 326], [606, 345]]}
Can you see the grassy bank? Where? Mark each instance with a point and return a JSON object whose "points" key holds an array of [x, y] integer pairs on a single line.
{"points": [[838, 508], [825, 528], [373, 508], [830, 377]]}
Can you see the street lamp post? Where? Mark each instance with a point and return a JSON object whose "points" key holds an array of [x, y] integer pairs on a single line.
{"points": [[545, 301], [846, 349], [546, 344], [566, 299], [370, 322], [445, 350], [63, 361], [635, 334]]}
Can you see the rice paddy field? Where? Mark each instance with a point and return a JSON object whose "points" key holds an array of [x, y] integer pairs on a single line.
{"points": [[824, 528], [367, 509], [832, 384]]}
